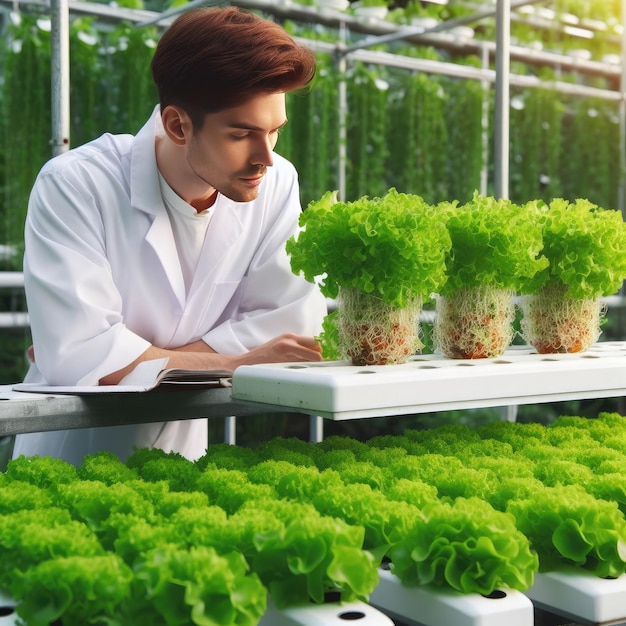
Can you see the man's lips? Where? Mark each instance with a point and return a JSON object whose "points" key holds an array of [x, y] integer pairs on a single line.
{"points": [[252, 180]]}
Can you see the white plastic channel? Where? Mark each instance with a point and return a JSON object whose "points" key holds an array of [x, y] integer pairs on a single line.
{"points": [[328, 614], [8, 616], [424, 606], [339, 390], [331, 614], [576, 594]]}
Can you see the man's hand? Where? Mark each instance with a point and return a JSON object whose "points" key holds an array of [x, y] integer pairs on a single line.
{"points": [[282, 349]]}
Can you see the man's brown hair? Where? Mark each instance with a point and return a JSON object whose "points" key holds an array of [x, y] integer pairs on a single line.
{"points": [[216, 58]]}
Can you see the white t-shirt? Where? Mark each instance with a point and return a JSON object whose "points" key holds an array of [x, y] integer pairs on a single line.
{"points": [[189, 227]]}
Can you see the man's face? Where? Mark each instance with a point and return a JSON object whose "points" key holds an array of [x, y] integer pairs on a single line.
{"points": [[233, 149]]}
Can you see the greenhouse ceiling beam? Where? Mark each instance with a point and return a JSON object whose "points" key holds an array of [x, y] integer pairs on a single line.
{"points": [[104, 12], [444, 41], [469, 72], [176, 11], [447, 25]]}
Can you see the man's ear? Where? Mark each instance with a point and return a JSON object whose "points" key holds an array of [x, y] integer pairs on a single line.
{"points": [[177, 124]]}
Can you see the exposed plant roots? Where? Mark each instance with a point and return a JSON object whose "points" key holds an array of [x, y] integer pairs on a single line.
{"points": [[374, 333], [553, 323], [474, 323]]}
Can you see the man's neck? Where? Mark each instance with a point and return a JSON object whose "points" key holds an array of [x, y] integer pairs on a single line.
{"points": [[185, 183]]}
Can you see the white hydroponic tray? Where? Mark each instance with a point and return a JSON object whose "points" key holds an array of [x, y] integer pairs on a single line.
{"points": [[8, 616], [580, 595], [339, 390], [330, 614], [424, 606]]}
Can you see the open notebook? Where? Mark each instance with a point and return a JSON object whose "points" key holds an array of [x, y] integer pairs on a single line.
{"points": [[146, 376]]}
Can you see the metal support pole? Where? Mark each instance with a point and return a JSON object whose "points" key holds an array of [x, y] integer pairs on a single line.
{"points": [[501, 148], [60, 70], [342, 94], [484, 122], [621, 200], [316, 428], [230, 430]]}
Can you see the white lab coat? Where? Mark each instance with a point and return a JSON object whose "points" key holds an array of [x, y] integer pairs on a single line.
{"points": [[103, 281]]}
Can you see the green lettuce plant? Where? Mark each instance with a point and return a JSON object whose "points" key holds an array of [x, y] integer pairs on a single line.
{"points": [[586, 250], [392, 247], [495, 247], [382, 257], [494, 243], [585, 246], [75, 589], [567, 525], [467, 546]]}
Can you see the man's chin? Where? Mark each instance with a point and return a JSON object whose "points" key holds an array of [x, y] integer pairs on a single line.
{"points": [[237, 195]]}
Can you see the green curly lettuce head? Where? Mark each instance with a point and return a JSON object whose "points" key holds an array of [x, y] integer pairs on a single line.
{"points": [[392, 247], [568, 526], [467, 546], [585, 246], [494, 243]]}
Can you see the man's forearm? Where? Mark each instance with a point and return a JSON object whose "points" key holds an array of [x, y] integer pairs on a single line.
{"points": [[200, 356], [194, 356]]}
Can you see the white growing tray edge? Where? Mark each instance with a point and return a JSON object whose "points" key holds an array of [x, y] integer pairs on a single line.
{"points": [[427, 383]]}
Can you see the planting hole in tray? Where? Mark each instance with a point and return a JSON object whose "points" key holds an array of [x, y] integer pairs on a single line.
{"points": [[590, 356], [351, 615], [503, 362], [497, 594], [365, 372], [6, 610], [427, 367], [296, 367], [465, 364]]}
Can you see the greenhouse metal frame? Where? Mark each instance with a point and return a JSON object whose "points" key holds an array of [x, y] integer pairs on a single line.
{"points": [[501, 50]]}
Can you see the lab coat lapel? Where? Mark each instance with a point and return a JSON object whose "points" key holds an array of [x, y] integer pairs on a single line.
{"points": [[146, 196], [161, 238], [221, 240], [219, 263]]}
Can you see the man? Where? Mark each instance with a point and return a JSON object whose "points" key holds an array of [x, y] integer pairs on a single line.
{"points": [[171, 243]]}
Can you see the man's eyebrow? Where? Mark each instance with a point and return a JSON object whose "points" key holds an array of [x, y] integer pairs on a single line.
{"points": [[238, 126]]}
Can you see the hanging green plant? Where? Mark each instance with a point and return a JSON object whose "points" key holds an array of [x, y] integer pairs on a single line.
{"points": [[591, 174], [367, 141], [26, 119], [419, 136], [463, 114], [313, 122], [130, 52], [87, 76]]}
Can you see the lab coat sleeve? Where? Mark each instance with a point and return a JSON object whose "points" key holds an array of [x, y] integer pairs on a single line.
{"points": [[271, 299], [74, 307]]}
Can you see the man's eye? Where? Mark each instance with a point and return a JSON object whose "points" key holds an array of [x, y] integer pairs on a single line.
{"points": [[239, 137]]}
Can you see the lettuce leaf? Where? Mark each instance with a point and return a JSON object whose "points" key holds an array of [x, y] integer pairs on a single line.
{"points": [[392, 247], [585, 246]]}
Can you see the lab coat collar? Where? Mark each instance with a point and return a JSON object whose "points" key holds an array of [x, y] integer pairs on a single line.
{"points": [[145, 193], [145, 196]]}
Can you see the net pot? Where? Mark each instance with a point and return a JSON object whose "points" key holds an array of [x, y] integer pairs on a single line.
{"points": [[553, 323], [373, 333], [474, 322]]}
